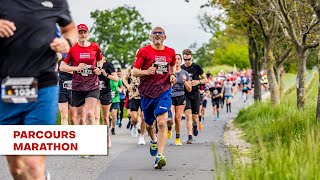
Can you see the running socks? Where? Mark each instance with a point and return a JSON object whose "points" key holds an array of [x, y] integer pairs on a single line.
{"points": [[200, 118], [169, 128], [177, 136]]}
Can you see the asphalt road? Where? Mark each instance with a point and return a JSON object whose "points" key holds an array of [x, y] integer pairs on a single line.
{"points": [[128, 160]]}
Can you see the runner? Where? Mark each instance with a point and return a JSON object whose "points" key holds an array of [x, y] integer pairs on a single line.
{"points": [[151, 65], [65, 86], [179, 98], [105, 99], [28, 49], [204, 103], [228, 91], [116, 89], [137, 119], [83, 58], [197, 76], [122, 101], [245, 91], [215, 100]]}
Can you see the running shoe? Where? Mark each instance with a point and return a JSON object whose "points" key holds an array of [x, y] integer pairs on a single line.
{"points": [[178, 142], [195, 130], [47, 174], [141, 140], [134, 132], [160, 162], [153, 148], [120, 125], [169, 134], [200, 126], [190, 140], [113, 131]]}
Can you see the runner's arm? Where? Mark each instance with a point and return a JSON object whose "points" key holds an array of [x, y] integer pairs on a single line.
{"points": [[66, 68], [203, 79], [187, 85], [138, 72], [70, 32], [125, 80]]}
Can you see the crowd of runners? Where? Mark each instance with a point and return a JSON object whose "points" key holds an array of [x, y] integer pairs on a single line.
{"points": [[159, 90]]}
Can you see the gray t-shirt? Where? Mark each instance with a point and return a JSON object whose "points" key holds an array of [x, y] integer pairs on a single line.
{"points": [[227, 89], [178, 88]]}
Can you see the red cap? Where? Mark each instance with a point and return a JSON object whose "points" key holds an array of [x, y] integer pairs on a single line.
{"points": [[82, 27]]}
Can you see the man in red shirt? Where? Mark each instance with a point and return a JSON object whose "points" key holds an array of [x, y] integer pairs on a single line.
{"points": [[82, 60], [155, 65]]}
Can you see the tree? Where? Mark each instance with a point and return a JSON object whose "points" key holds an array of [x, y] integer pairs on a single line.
{"points": [[298, 23], [120, 33]]}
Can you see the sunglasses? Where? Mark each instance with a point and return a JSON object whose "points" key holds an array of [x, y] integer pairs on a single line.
{"points": [[157, 33], [187, 59]]}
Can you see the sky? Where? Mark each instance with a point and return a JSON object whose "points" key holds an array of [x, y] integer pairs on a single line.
{"points": [[178, 18]]}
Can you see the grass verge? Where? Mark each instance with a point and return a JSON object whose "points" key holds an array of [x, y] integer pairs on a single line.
{"points": [[285, 140]]}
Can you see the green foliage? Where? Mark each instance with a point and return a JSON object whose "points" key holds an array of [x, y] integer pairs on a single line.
{"points": [[120, 32], [285, 140], [225, 48], [214, 70]]}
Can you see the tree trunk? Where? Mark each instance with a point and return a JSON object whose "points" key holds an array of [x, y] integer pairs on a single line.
{"points": [[302, 58], [318, 103], [255, 65], [272, 80], [279, 75]]}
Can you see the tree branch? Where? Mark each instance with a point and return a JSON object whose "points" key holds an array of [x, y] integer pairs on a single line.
{"points": [[311, 45]]}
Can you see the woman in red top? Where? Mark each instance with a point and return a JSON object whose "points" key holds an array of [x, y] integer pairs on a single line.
{"points": [[82, 60]]}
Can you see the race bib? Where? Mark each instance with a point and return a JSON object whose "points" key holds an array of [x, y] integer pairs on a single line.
{"points": [[162, 67], [86, 71], [113, 94], [19, 90], [190, 76], [67, 85], [102, 85]]}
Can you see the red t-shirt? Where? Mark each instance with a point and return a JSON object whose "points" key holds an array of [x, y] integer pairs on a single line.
{"points": [[84, 80], [152, 86]]}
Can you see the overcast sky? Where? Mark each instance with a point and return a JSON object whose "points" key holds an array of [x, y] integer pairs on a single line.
{"points": [[177, 17]]}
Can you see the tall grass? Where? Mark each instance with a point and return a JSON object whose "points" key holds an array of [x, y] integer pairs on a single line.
{"points": [[286, 140]]}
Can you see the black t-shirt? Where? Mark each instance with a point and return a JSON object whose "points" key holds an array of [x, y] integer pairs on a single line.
{"points": [[27, 53], [63, 76], [215, 91], [195, 71], [108, 67]]}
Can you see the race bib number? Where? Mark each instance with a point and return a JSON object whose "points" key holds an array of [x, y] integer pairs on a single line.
{"points": [[67, 85], [102, 85], [19, 90], [190, 76], [113, 94], [162, 67], [86, 71]]}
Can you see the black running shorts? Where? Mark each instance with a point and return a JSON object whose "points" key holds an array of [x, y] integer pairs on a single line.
{"points": [[135, 104], [215, 102], [105, 98], [65, 96], [179, 100], [193, 102], [79, 97]]}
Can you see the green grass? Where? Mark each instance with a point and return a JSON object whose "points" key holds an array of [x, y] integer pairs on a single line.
{"points": [[286, 140], [215, 69]]}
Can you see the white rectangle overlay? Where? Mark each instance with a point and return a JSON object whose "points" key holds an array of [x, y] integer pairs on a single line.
{"points": [[53, 140]]}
